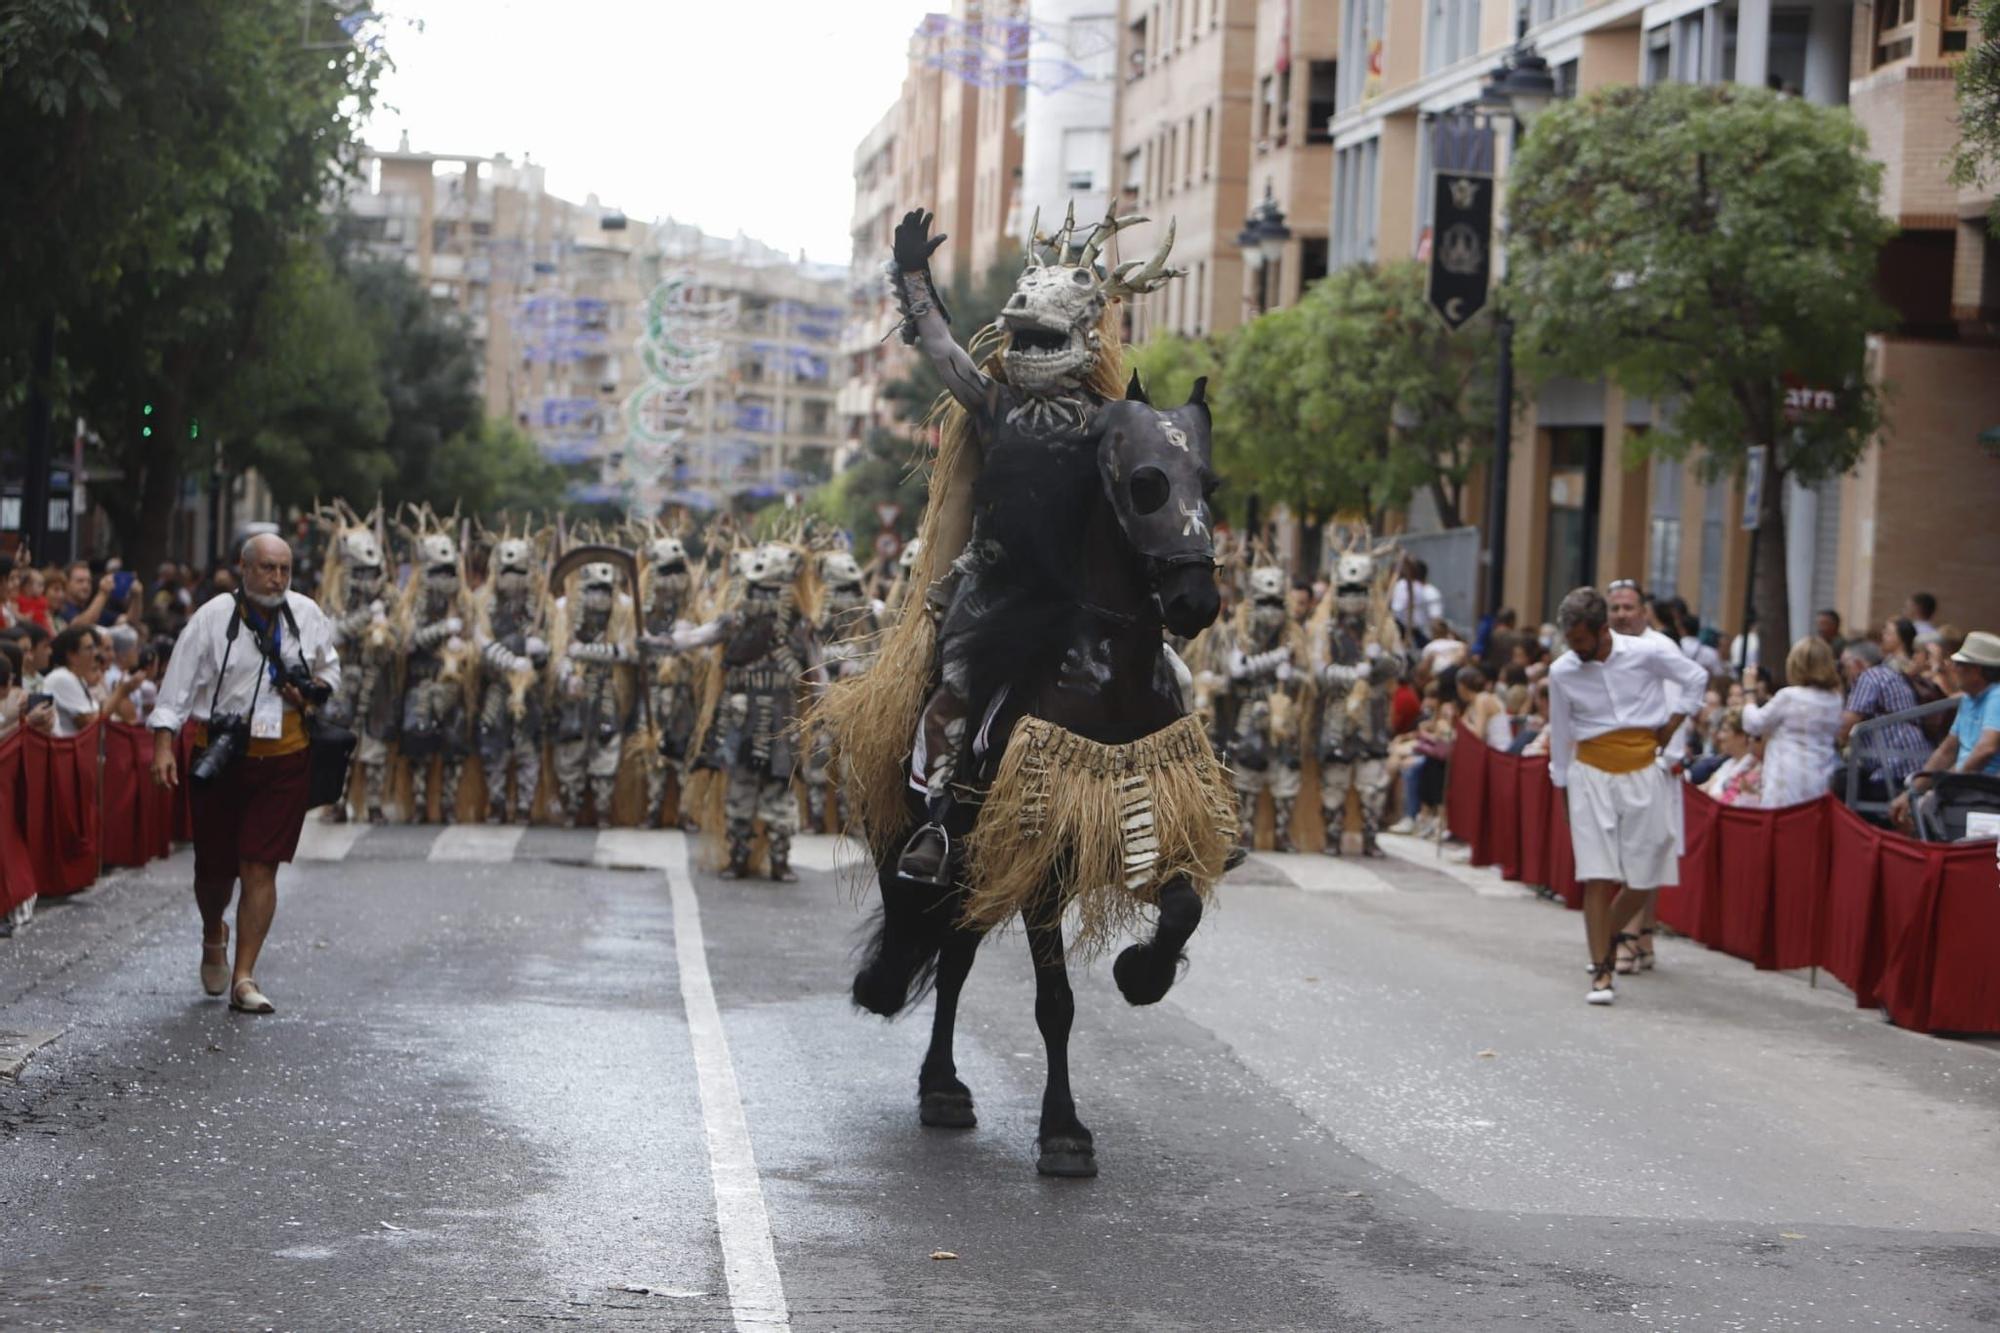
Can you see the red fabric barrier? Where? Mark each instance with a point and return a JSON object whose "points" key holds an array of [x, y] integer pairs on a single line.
{"points": [[1683, 908], [62, 814], [1850, 941], [122, 794], [18, 881], [1562, 852], [1465, 795], [1534, 792], [1503, 810], [183, 813]]}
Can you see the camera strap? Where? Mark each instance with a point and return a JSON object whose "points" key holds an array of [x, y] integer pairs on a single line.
{"points": [[222, 672]]}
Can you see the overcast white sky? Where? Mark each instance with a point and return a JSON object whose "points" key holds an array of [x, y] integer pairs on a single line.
{"points": [[734, 114]]}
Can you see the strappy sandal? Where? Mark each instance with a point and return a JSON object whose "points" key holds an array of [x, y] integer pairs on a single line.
{"points": [[245, 998], [1625, 949], [1644, 950], [1601, 989], [215, 965]]}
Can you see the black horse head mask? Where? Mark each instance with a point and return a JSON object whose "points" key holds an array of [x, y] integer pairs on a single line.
{"points": [[1156, 473]]}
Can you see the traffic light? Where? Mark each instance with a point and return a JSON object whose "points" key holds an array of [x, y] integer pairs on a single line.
{"points": [[146, 431], [194, 428]]}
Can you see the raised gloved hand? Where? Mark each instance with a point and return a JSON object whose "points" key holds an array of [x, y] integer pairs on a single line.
{"points": [[913, 244], [453, 625], [538, 651]]}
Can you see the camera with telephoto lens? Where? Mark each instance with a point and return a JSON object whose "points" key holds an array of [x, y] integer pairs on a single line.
{"points": [[228, 737]]}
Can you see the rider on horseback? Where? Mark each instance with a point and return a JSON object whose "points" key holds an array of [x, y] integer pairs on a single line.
{"points": [[1050, 393]]}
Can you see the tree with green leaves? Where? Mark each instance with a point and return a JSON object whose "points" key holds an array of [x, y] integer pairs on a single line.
{"points": [[1713, 248], [174, 159], [1978, 78], [1356, 399], [889, 467]]}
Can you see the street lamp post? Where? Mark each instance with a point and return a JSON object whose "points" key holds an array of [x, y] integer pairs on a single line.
{"points": [[1262, 241], [1522, 88]]}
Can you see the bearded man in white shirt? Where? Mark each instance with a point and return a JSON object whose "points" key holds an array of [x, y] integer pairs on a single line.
{"points": [[240, 669], [1615, 700]]}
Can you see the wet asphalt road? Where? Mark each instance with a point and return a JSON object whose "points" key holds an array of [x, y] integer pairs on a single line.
{"points": [[1377, 1101]]}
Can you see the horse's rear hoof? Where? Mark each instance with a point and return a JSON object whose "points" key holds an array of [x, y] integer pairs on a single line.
{"points": [[1070, 1158], [947, 1110]]}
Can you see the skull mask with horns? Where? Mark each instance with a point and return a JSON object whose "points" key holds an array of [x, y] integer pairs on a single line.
{"points": [[1058, 302], [767, 564]]}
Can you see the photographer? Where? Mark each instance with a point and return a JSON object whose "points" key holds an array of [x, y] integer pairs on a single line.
{"points": [[250, 667]]}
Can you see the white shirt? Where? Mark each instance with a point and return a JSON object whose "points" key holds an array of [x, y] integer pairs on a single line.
{"points": [[1798, 727], [1696, 650], [74, 704], [1641, 684], [188, 691], [1677, 748], [1430, 603]]}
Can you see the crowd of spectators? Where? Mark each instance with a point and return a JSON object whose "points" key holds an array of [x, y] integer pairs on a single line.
{"points": [[1762, 738], [90, 639]]}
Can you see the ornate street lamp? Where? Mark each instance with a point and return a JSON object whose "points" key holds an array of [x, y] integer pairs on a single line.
{"points": [[1262, 241], [1521, 88]]}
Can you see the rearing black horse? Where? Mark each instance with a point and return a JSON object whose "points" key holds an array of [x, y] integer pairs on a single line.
{"points": [[1107, 535]]}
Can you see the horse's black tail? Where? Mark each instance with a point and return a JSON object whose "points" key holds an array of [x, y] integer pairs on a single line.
{"points": [[899, 954]]}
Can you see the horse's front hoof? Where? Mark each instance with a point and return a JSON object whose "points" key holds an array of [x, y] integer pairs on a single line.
{"points": [[1068, 1157], [947, 1110], [880, 993], [1141, 977]]}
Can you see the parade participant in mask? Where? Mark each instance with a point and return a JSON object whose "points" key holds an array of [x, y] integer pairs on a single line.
{"points": [[594, 648], [1268, 682], [848, 629], [437, 671], [354, 595], [511, 638], [1356, 650], [667, 598], [250, 668], [1055, 370]]}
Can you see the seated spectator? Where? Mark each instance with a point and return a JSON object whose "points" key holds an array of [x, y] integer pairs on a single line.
{"points": [[1495, 648], [1406, 709], [1445, 649], [1738, 778], [1827, 625], [1699, 645], [1798, 726], [1876, 689], [71, 683], [1482, 710], [1534, 725], [1973, 745], [1420, 758], [1899, 643]]}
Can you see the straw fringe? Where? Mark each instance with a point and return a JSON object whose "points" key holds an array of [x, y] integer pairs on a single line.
{"points": [[1111, 823]]}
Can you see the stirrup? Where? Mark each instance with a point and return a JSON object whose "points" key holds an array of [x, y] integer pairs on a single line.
{"points": [[927, 856]]}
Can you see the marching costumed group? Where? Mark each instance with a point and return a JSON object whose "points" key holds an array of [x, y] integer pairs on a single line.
{"points": [[589, 677]]}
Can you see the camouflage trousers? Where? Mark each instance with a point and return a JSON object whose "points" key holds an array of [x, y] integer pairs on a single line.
{"points": [[583, 767], [753, 795], [823, 781], [450, 772], [1369, 778], [657, 773]]}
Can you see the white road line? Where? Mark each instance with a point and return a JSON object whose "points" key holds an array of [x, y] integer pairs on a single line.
{"points": [[1314, 873], [636, 848], [477, 842], [826, 851], [749, 1261], [328, 842]]}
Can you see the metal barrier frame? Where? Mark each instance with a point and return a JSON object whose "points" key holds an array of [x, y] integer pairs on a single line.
{"points": [[1859, 758]]}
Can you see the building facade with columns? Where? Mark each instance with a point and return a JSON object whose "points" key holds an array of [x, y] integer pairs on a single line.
{"points": [[1578, 512]]}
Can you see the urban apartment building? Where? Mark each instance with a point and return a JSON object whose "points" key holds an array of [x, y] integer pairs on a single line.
{"points": [[1916, 513], [553, 294]]}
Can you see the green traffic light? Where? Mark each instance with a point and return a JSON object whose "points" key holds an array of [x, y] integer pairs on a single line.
{"points": [[147, 410], [194, 430], [146, 432]]}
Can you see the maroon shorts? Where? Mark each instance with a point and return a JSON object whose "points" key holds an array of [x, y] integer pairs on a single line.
{"points": [[253, 812]]}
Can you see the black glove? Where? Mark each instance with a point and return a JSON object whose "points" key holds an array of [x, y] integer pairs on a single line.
{"points": [[914, 244]]}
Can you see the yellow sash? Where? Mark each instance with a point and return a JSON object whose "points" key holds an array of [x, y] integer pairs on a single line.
{"points": [[1625, 751], [289, 741]]}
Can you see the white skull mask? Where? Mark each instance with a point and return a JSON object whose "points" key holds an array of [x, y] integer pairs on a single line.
{"points": [[1052, 317], [766, 564], [1353, 575], [1267, 583], [436, 550], [907, 561], [514, 555], [597, 581], [840, 570], [667, 554], [359, 549]]}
